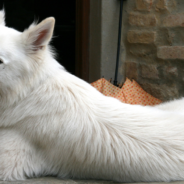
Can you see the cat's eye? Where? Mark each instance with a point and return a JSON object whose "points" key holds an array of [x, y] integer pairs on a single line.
{"points": [[1, 61]]}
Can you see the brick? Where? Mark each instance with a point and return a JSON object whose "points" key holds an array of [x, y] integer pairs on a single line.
{"points": [[162, 5], [143, 52], [149, 71], [165, 4], [170, 52], [174, 20], [144, 5], [144, 37], [170, 71], [131, 70], [142, 20], [163, 92]]}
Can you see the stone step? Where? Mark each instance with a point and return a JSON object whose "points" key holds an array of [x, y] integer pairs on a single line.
{"points": [[49, 180]]}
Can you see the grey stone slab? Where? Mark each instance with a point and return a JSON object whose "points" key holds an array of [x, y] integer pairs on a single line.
{"points": [[49, 180]]}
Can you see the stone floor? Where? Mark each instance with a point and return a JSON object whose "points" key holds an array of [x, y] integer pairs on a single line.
{"points": [[49, 180]]}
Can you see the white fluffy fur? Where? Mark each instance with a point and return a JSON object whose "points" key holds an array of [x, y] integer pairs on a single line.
{"points": [[2, 17], [53, 123]]}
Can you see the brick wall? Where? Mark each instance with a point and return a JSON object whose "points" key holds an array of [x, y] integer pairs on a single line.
{"points": [[153, 38]]}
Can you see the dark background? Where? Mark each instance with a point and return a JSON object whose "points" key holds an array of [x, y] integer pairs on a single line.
{"points": [[21, 13]]}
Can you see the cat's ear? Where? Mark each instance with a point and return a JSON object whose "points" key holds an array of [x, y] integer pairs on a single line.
{"points": [[2, 17], [38, 36]]}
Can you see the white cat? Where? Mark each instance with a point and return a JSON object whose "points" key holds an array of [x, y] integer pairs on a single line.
{"points": [[53, 123]]}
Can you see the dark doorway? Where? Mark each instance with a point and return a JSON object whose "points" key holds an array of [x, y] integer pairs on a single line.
{"points": [[21, 13], [82, 38]]}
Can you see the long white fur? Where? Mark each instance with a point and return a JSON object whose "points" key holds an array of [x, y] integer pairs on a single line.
{"points": [[53, 123]]}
